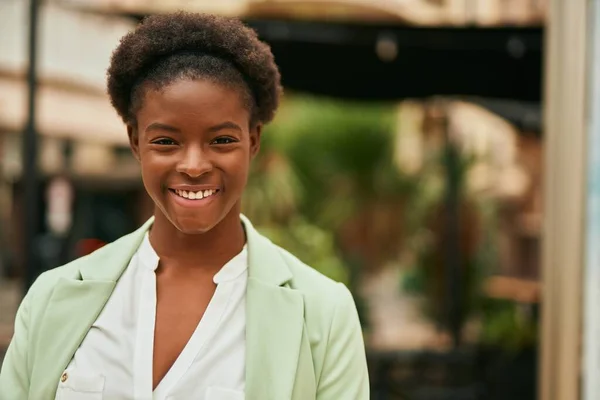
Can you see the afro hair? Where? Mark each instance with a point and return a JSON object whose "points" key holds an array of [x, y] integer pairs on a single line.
{"points": [[164, 48]]}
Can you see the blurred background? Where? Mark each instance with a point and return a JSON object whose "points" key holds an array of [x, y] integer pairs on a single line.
{"points": [[431, 154]]}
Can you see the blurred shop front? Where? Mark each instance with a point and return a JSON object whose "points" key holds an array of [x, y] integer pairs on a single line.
{"points": [[90, 191]]}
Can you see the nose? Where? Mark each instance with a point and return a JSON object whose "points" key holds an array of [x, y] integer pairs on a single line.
{"points": [[194, 162]]}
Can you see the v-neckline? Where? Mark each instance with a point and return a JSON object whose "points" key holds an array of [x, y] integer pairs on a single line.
{"points": [[144, 350], [204, 331]]}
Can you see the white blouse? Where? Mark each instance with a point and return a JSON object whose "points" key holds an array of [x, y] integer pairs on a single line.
{"points": [[114, 361]]}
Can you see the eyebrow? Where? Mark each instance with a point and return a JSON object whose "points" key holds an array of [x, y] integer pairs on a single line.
{"points": [[225, 125], [157, 126]]}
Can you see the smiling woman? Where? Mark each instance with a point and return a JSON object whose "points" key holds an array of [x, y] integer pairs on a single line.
{"points": [[195, 304]]}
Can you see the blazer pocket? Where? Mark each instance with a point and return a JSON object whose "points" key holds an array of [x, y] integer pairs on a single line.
{"points": [[75, 385], [218, 393]]}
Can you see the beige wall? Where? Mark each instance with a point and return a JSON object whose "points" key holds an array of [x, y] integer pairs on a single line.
{"points": [[61, 112], [74, 47], [74, 52], [565, 140]]}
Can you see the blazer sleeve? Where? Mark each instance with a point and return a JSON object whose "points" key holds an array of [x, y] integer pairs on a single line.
{"points": [[344, 374], [14, 377]]}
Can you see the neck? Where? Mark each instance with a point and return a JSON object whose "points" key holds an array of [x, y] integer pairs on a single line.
{"points": [[209, 250]]}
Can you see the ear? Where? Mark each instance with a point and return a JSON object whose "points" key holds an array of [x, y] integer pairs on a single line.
{"points": [[134, 141], [255, 133]]}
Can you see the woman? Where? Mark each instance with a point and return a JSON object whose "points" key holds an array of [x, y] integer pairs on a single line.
{"points": [[196, 304]]}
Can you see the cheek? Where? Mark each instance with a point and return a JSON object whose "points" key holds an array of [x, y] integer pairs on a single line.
{"points": [[238, 165], [148, 182], [151, 175]]}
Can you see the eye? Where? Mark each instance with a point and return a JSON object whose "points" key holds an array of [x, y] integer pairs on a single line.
{"points": [[224, 140], [164, 142]]}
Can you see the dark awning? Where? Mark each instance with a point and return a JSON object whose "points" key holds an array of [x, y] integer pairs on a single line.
{"points": [[394, 62]]}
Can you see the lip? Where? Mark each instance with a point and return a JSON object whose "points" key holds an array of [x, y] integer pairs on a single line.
{"points": [[182, 201], [194, 188]]}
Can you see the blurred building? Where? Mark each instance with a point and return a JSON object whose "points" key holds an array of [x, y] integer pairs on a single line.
{"points": [[411, 12], [81, 137]]}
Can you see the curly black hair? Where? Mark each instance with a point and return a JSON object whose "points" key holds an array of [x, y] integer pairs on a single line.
{"points": [[164, 48]]}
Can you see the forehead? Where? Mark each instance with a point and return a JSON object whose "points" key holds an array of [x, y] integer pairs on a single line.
{"points": [[196, 102]]}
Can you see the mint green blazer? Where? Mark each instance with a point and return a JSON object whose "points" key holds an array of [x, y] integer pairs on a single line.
{"points": [[303, 336]]}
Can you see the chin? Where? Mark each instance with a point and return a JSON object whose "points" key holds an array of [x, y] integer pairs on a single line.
{"points": [[195, 220], [193, 226]]}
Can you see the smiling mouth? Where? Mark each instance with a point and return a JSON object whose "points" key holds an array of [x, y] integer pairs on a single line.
{"points": [[199, 195]]}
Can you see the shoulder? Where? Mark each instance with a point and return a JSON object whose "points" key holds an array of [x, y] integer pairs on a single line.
{"points": [[322, 295], [45, 283], [274, 264], [104, 264], [305, 277], [333, 331]]}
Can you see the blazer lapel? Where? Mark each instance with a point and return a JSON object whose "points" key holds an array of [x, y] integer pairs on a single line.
{"points": [[274, 322], [74, 305]]}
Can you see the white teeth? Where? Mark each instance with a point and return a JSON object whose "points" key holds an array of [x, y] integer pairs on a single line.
{"points": [[195, 195]]}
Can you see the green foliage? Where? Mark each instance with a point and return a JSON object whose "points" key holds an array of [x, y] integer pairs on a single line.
{"points": [[508, 325], [341, 153], [274, 192]]}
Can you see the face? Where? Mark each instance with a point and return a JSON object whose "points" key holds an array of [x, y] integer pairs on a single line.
{"points": [[194, 142]]}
